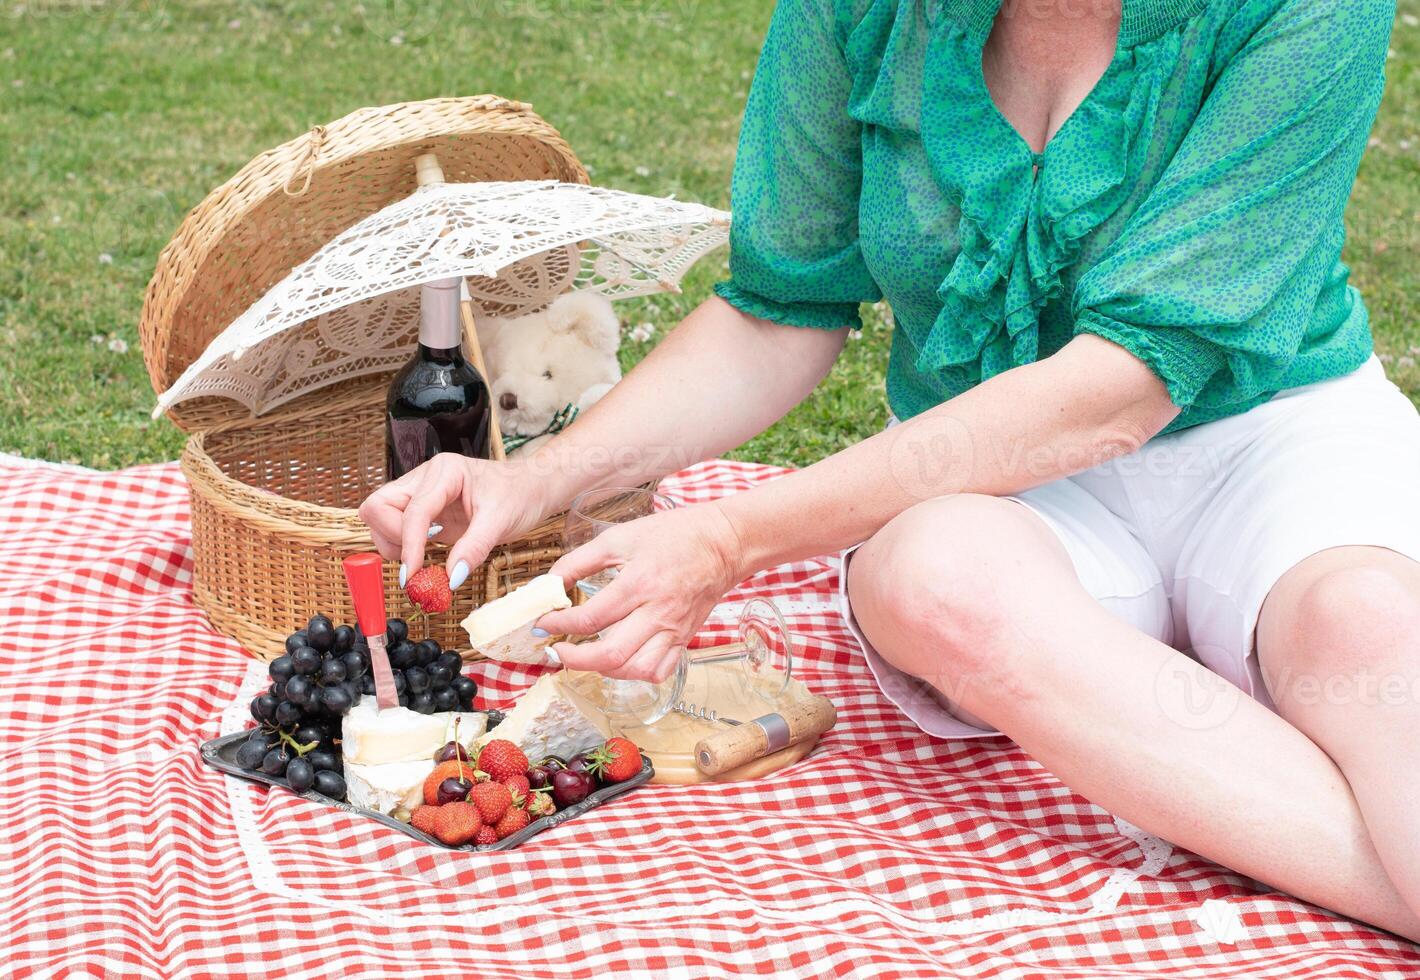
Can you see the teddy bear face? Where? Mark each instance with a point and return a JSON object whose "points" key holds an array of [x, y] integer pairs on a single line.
{"points": [[542, 362]]}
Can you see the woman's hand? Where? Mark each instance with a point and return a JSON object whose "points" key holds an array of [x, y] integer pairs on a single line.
{"points": [[674, 567], [479, 504]]}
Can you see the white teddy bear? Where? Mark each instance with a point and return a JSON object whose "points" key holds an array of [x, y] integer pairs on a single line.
{"points": [[542, 362]]}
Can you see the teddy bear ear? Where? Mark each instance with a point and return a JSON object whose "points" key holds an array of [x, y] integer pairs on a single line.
{"points": [[589, 317]]}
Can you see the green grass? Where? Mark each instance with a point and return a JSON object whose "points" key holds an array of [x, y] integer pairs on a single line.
{"points": [[117, 117]]}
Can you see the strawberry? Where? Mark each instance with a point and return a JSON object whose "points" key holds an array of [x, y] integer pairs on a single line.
{"points": [[443, 771], [502, 760], [519, 787], [492, 800], [617, 760], [457, 823], [513, 821], [486, 835], [428, 589], [539, 805], [423, 818]]}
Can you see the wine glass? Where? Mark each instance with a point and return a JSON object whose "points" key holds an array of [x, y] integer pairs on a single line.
{"points": [[592, 513], [764, 649]]}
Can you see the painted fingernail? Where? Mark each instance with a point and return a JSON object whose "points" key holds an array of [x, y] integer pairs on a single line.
{"points": [[459, 576], [552, 656], [540, 633], [435, 529], [403, 574]]}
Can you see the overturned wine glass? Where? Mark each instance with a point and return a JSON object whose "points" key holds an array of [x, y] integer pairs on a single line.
{"points": [[763, 647], [764, 651]]}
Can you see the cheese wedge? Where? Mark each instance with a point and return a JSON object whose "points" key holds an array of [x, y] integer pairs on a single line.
{"points": [[388, 754], [502, 629], [395, 788], [372, 737], [546, 722]]}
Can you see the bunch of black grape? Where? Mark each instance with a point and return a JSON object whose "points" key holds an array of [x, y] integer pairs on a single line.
{"points": [[427, 678], [323, 674]]}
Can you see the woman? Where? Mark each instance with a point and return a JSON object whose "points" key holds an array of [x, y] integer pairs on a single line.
{"points": [[1141, 414]]}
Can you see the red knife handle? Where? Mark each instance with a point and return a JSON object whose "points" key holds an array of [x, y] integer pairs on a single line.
{"points": [[365, 575]]}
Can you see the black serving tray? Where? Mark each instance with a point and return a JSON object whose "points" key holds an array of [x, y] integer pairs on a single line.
{"points": [[221, 754]]}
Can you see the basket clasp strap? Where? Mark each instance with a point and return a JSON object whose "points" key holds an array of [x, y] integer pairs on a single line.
{"points": [[306, 162]]}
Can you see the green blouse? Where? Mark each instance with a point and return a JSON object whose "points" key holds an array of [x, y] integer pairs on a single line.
{"points": [[1189, 210]]}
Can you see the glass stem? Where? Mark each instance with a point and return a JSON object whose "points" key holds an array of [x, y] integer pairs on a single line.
{"points": [[718, 655]]}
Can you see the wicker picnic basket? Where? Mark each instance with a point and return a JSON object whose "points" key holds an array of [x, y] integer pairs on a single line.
{"points": [[274, 495]]}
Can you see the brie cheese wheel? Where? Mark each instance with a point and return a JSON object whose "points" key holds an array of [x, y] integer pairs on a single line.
{"points": [[394, 788], [546, 722], [371, 737], [502, 629]]}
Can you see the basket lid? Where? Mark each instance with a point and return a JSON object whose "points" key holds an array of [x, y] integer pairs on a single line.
{"points": [[279, 209]]}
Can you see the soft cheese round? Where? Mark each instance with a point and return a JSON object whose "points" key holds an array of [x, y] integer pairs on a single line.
{"points": [[373, 737]]}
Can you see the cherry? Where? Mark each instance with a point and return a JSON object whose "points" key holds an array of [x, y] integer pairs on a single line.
{"points": [[453, 789], [451, 751], [570, 787]]}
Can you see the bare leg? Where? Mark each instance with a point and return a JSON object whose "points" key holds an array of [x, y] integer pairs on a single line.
{"points": [[1000, 625], [1339, 640]]}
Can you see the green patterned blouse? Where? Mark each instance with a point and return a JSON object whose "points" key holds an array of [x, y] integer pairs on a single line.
{"points": [[1189, 210]]}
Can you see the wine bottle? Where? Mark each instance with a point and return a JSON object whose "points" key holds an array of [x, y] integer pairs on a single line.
{"points": [[438, 402]]}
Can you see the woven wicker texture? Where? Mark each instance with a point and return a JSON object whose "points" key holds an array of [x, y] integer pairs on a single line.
{"points": [[273, 497], [266, 558], [249, 233]]}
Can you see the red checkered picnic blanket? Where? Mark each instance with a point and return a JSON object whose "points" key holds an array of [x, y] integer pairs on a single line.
{"points": [[884, 853]]}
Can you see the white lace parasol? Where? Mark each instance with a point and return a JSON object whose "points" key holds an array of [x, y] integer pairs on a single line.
{"points": [[353, 307]]}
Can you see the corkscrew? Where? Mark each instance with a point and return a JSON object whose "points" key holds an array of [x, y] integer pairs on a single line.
{"points": [[804, 718], [703, 712], [764, 651]]}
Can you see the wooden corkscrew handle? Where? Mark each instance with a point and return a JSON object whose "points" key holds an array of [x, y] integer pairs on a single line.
{"points": [[803, 719]]}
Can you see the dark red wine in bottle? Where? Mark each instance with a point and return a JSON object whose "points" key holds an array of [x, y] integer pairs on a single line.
{"points": [[438, 402]]}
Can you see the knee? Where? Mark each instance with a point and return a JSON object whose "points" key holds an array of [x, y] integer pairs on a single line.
{"points": [[1348, 626], [933, 589], [1356, 612]]}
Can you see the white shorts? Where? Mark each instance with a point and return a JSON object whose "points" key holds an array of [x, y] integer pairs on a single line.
{"points": [[1185, 538]]}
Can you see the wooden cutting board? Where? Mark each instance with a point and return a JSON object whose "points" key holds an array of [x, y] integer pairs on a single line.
{"points": [[670, 742]]}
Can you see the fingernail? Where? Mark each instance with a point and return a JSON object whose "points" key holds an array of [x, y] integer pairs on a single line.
{"points": [[435, 529], [552, 656], [403, 574], [459, 576], [540, 633]]}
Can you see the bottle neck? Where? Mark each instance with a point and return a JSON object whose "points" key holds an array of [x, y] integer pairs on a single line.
{"points": [[440, 331]]}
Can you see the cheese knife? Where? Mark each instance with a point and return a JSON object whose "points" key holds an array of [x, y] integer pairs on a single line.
{"points": [[364, 573]]}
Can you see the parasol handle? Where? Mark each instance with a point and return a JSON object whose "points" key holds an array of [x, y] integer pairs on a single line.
{"points": [[475, 350], [428, 171]]}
